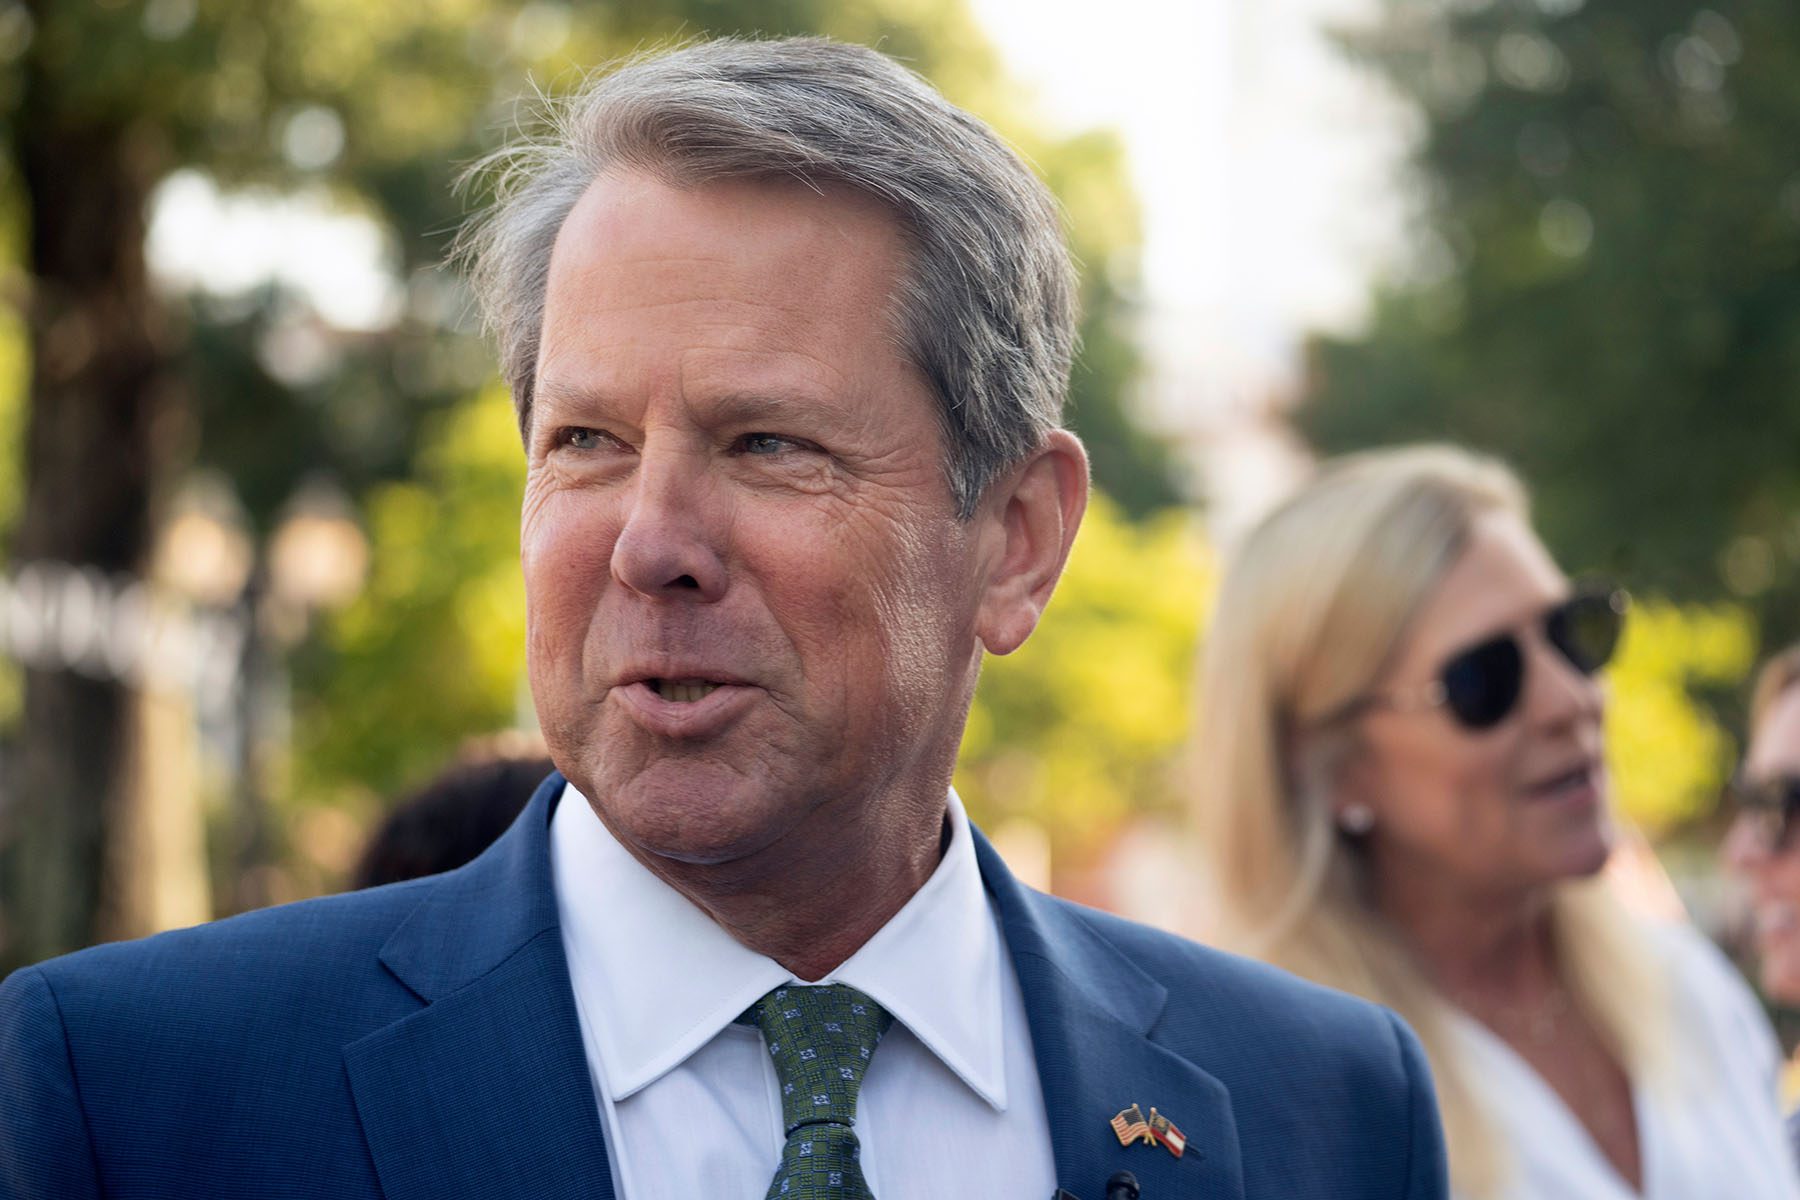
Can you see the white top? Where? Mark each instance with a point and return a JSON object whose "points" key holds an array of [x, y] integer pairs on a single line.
{"points": [[951, 1104], [1713, 1132]]}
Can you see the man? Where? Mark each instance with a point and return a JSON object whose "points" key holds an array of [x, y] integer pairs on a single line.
{"points": [[789, 337], [1763, 847]]}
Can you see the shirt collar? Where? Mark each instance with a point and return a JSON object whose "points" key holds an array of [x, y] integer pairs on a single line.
{"points": [[663, 979]]}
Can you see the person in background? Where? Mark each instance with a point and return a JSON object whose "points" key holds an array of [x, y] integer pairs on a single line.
{"points": [[1406, 797], [1762, 846], [453, 818]]}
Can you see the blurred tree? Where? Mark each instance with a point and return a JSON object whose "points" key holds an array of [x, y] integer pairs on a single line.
{"points": [[12, 419], [13, 363], [443, 616], [1134, 466], [82, 159], [1078, 729], [1668, 754], [367, 110], [105, 100], [1606, 289]]}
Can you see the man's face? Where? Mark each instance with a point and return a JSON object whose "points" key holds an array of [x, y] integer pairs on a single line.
{"points": [[1773, 870], [752, 608]]}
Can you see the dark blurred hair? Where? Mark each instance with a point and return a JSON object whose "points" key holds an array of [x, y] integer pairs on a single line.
{"points": [[450, 820]]}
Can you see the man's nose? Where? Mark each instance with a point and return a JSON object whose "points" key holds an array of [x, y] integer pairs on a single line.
{"points": [[672, 544]]}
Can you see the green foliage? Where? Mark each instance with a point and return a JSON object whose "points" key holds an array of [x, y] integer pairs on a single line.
{"points": [[434, 649], [1078, 729], [1667, 754], [1607, 284], [13, 384], [13, 367]]}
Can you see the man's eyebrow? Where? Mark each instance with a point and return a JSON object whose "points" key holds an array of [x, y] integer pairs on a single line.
{"points": [[562, 393], [737, 407], [760, 406]]}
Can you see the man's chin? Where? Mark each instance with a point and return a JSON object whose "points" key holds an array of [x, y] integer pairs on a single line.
{"points": [[694, 817]]}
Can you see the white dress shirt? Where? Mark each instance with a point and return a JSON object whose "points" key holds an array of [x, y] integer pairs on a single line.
{"points": [[1712, 1130], [951, 1104]]}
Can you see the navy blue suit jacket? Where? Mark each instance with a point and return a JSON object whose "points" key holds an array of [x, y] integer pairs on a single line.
{"points": [[419, 1042]]}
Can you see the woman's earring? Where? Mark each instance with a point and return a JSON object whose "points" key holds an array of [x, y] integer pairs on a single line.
{"points": [[1356, 819]]}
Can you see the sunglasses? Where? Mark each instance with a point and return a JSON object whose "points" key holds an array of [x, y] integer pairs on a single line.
{"points": [[1480, 686], [1770, 806]]}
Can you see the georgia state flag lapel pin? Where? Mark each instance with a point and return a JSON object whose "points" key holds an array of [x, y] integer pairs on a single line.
{"points": [[1163, 1130]]}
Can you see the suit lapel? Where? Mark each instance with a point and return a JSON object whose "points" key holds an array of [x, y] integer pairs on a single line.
{"points": [[486, 1090], [1091, 1011]]}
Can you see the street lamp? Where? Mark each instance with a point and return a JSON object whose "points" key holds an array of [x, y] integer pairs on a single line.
{"points": [[204, 551], [317, 558]]}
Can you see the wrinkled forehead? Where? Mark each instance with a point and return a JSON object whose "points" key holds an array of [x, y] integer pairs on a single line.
{"points": [[796, 263], [781, 239], [875, 216], [762, 215], [877, 219]]}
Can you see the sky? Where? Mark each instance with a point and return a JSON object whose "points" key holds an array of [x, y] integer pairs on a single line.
{"points": [[224, 243]]}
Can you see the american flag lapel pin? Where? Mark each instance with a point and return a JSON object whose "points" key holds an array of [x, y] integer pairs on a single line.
{"points": [[1161, 1129], [1130, 1126]]}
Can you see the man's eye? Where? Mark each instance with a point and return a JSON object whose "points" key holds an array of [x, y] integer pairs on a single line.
{"points": [[582, 439], [765, 443]]}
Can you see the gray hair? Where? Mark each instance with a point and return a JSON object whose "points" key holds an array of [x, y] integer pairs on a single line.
{"points": [[987, 312]]}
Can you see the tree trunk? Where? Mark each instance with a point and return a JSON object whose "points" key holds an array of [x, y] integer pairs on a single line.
{"points": [[98, 385]]}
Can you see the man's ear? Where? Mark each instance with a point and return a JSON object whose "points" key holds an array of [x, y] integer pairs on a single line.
{"points": [[1031, 516]]}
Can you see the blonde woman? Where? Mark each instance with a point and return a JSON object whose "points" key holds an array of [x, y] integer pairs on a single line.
{"points": [[1405, 796]]}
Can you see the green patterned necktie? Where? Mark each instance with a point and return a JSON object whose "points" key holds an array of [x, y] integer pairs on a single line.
{"points": [[820, 1039]]}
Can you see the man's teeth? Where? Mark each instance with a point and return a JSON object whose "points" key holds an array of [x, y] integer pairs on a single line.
{"points": [[684, 691]]}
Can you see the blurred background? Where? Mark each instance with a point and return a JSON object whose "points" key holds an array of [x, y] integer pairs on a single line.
{"points": [[259, 486]]}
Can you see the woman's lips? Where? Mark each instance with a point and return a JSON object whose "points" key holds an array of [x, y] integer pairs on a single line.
{"points": [[1578, 785]]}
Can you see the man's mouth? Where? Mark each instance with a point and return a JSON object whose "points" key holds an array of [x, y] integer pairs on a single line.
{"points": [[683, 691]]}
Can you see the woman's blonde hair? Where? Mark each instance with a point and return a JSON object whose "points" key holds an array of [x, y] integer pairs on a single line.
{"points": [[1311, 613]]}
